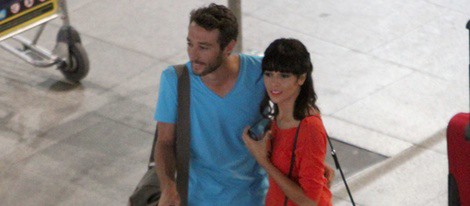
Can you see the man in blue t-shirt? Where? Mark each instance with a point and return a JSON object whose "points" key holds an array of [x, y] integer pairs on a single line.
{"points": [[226, 91]]}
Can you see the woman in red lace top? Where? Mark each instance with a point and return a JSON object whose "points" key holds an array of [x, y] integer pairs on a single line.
{"points": [[291, 102]]}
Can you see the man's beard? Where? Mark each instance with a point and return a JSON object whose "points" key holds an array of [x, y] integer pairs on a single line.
{"points": [[212, 67]]}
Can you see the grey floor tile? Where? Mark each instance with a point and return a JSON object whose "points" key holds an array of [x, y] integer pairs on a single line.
{"points": [[33, 190], [437, 48], [458, 5], [83, 197], [143, 88], [365, 138], [112, 138], [345, 79], [440, 200], [352, 159], [409, 109], [24, 189], [436, 142], [369, 24], [258, 41], [419, 173], [14, 69], [8, 144], [33, 113], [106, 158], [131, 113], [24, 145], [46, 104], [19, 148], [111, 65]]}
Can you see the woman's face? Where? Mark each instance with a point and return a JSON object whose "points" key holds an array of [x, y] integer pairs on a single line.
{"points": [[283, 87]]}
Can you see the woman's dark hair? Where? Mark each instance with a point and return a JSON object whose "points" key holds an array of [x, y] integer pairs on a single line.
{"points": [[290, 56], [217, 17]]}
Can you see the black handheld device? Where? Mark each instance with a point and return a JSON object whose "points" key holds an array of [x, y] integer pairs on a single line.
{"points": [[258, 129]]}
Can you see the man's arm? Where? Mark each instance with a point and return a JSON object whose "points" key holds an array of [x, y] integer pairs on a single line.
{"points": [[166, 163]]}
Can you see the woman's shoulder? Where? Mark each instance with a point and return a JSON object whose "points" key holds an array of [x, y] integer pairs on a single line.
{"points": [[312, 132], [314, 119], [313, 124]]}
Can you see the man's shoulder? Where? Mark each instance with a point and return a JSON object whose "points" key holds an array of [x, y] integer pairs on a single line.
{"points": [[169, 73], [252, 60], [251, 64]]}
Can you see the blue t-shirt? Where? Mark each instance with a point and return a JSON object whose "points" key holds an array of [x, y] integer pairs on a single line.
{"points": [[222, 171]]}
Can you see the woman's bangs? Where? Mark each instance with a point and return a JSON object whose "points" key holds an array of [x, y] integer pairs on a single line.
{"points": [[276, 66]]}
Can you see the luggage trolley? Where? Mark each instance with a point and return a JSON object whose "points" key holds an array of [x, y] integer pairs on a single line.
{"points": [[17, 16]]}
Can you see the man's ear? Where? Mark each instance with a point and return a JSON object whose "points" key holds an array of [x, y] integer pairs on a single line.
{"points": [[229, 48]]}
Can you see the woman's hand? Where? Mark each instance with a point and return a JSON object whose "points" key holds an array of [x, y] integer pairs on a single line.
{"points": [[329, 174], [258, 148]]}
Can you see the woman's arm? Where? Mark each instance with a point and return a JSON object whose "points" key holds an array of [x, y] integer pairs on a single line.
{"points": [[290, 188], [310, 157]]}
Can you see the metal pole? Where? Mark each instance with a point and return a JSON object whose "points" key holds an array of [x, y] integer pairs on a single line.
{"points": [[38, 34], [236, 7], [65, 12]]}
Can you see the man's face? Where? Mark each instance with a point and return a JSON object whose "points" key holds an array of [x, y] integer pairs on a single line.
{"points": [[204, 49]]}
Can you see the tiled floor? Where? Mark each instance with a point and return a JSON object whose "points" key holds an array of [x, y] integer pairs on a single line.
{"points": [[389, 75]]}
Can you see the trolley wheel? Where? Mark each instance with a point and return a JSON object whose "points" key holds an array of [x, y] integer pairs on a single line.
{"points": [[78, 65]]}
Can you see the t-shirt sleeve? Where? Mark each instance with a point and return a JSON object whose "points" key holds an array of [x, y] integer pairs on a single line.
{"points": [[166, 109], [311, 156]]}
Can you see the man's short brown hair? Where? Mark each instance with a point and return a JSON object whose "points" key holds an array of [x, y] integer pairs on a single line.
{"points": [[217, 17]]}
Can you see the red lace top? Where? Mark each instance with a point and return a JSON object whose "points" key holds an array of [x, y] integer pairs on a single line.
{"points": [[309, 167]]}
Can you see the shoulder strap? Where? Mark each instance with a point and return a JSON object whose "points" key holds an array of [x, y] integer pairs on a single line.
{"points": [[183, 133], [292, 161], [182, 84]]}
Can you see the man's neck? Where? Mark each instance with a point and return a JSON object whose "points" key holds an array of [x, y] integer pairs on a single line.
{"points": [[222, 80], [226, 72]]}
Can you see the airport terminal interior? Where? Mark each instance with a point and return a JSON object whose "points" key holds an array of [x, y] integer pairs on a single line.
{"points": [[389, 75]]}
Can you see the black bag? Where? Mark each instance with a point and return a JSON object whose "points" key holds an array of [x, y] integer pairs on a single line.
{"points": [[147, 191]]}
